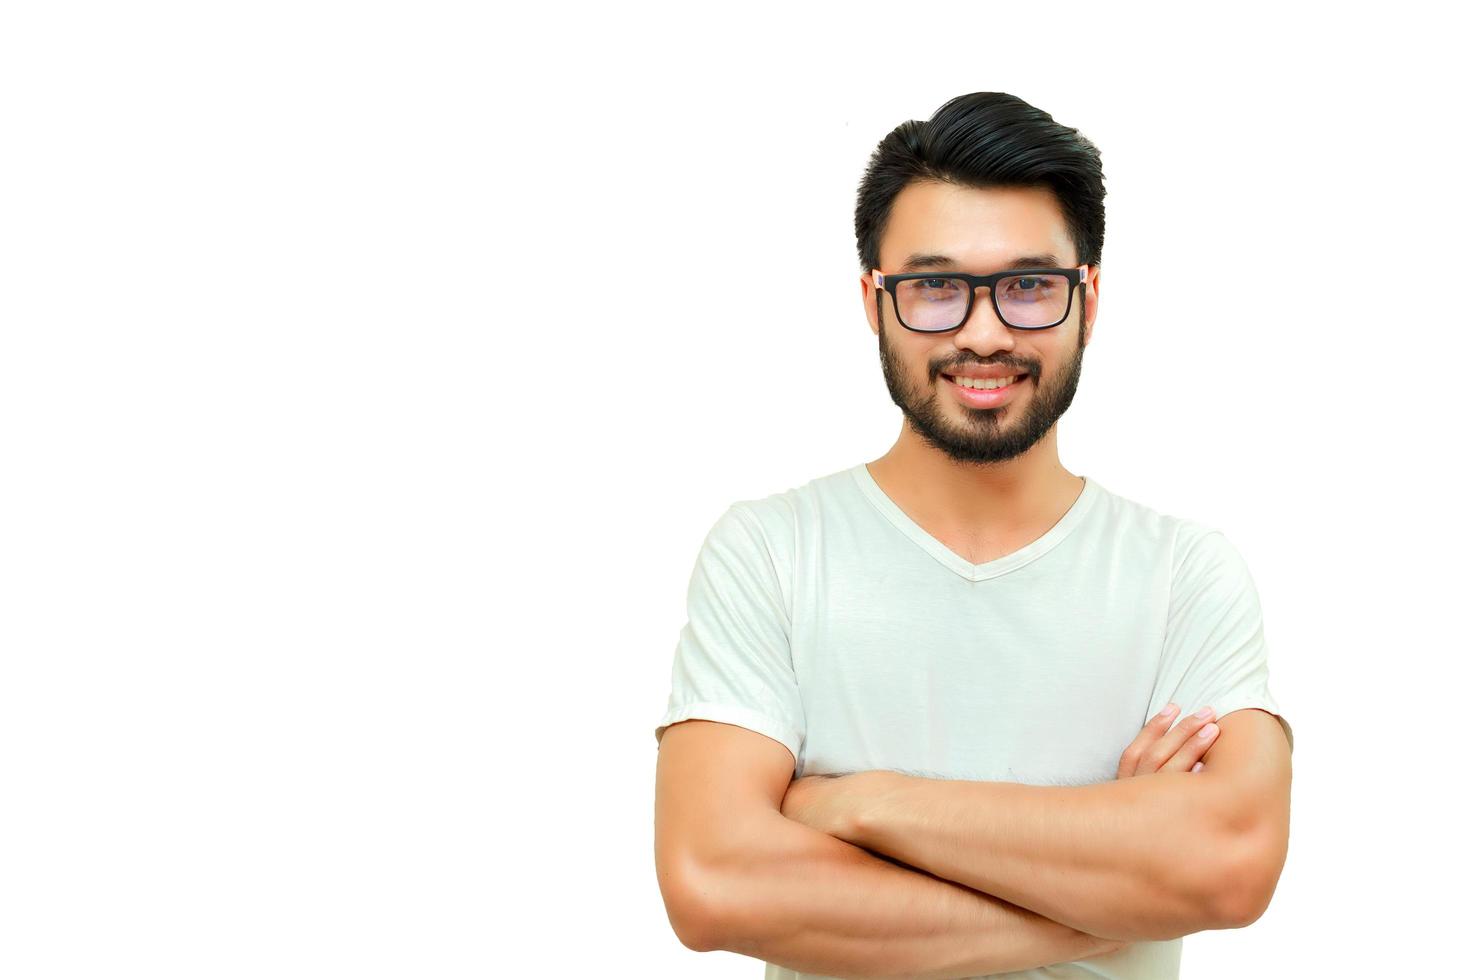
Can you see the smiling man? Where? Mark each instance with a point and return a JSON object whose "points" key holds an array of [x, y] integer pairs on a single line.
{"points": [[986, 650]]}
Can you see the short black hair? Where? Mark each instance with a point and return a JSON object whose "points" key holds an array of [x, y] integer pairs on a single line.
{"points": [[986, 139]]}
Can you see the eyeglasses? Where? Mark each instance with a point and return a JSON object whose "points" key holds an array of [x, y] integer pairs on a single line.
{"points": [[1026, 299]]}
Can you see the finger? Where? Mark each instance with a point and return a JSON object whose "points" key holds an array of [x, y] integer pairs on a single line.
{"points": [[1151, 733], [1197, 767], [1185, 744], [1190, 752]]}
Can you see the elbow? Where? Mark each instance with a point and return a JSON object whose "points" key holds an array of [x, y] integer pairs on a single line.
{"points": [[1245, 887], [693, 927], [1237, 909], [687, 900], [695, 933]]}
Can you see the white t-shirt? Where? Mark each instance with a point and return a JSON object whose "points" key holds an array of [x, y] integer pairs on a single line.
{"points": [[825, 618]]}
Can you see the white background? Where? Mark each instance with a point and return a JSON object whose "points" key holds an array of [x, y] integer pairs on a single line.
{"points": [[352, 480]]}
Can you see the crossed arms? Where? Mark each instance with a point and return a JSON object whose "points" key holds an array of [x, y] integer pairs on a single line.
{"points": [[995, 876], [1153, 857], [736, 874]]}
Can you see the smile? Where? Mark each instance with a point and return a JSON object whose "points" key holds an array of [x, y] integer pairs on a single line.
{"points": [[995, 392]]}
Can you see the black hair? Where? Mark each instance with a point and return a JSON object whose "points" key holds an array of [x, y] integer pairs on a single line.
{"points": [[986, 139]]}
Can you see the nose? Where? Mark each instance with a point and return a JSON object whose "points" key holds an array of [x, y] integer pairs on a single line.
{"points": [[983, 331]]}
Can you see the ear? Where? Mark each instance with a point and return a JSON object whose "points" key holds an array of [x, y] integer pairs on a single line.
{"points": [[871, 298], [1089, 291]]}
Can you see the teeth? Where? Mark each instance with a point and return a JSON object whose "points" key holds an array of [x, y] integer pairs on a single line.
{"points": [[985, 384]]}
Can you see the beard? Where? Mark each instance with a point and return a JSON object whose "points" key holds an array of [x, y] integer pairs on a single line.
{"points": [[980, 435]]}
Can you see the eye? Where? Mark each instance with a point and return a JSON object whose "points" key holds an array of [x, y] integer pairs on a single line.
{"points": [[1030, 289], [936, 284]]}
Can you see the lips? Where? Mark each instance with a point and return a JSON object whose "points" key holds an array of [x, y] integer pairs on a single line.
{"points": [[992, 398]]}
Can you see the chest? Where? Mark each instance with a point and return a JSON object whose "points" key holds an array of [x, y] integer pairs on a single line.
{"points": [[978, 550], [1038, 676]]}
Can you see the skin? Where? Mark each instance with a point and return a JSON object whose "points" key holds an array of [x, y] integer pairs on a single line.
{"points": [[986, 482]]}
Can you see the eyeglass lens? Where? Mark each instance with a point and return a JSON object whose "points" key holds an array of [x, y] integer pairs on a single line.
{"points": [[937, 303]]}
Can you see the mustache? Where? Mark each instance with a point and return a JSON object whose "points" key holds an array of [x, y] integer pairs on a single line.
{"points": [[1017, 368]]}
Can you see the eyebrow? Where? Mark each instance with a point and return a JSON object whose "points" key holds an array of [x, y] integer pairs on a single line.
{"points": [[921, 260]]}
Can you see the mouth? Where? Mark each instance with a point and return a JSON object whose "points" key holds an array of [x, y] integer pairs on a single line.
{"points": [[985, 397]]}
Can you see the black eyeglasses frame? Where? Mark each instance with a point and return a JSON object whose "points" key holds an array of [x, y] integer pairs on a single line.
{"points": [[1075, 276]]}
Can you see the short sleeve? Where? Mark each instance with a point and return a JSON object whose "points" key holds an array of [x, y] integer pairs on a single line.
{"points": [[733, 659], [1215, 641]]}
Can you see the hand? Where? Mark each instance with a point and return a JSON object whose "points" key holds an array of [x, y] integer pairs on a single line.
{"points": [[828, 803], [1159, 749]]}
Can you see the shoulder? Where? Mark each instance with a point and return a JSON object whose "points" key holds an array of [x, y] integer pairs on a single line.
{"points": [[784, 518], [1188, 548], [1205, 549], [1146, 528]]}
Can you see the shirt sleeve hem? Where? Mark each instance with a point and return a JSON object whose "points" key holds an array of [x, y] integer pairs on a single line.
{"points": [[1254, 700], [735, 714]]}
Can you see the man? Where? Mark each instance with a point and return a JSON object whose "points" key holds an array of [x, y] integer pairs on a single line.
{"points": [[962, 651]]}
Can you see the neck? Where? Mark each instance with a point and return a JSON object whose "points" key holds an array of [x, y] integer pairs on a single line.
{"points": [[983, 496]]}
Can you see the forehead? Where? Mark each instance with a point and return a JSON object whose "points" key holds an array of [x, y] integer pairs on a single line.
{"points": [[981, 229]]}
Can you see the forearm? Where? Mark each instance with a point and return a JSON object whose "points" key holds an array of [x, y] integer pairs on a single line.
{"points": [[1130, 859], [800, 898]]}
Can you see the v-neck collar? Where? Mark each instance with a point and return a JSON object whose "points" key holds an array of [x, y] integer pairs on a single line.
{"points": [[949, 559]]}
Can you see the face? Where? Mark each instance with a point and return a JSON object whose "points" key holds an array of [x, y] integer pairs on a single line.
{"points": [[980, 231]]}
